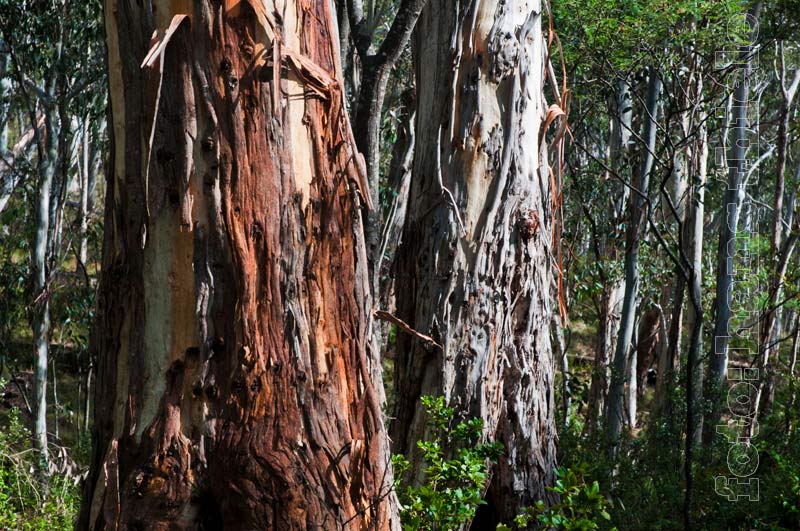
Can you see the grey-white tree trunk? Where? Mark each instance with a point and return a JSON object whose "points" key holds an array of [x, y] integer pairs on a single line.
{"points": [[83, 210], [696, 213], [734, 195], [475, 258], [613, 286], [614, 407], [39, 271]]}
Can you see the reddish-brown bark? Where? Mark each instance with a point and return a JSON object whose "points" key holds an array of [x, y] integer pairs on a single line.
{"points": [[235, 388]]}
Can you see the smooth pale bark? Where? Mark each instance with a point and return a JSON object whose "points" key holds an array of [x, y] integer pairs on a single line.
{"points": [[473, 269], [695, 315], [49, 133], [83, 189], [788, 93], [606, 253], [88, 166], [674, 211], [619, 145], [234, 384], [343, 23], [734, 195], [50, 140], [694, 265], [66, 158], [614, 406], [41, 298]]}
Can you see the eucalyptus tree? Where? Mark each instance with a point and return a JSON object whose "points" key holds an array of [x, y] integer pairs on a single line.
{"points": [[474, 264], [606, 250], [617, 45], [614, 416], [734, 196], [90, 163], [235, 385]]}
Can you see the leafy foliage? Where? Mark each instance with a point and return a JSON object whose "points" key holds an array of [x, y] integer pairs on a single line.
{"points": [[455, 476], [582, 507], [646, 485], [626, 34], [50, 39]]}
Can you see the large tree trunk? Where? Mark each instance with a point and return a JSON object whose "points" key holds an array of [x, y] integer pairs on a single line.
{"points": [[475, 257], [234, 384]]}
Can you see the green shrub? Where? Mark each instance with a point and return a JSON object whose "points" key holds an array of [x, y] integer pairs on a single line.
{"points": [[26, 503], [582, 507], [456, 473]]}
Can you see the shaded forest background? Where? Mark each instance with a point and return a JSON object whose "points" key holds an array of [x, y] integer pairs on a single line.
{"points": [[675, 132]]}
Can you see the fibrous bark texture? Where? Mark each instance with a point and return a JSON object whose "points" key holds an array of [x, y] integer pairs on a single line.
{"points": [[474, 262], [235, 389]]}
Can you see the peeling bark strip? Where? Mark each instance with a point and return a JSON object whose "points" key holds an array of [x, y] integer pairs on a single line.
{"points": [[235, 388], [475, 258]]}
